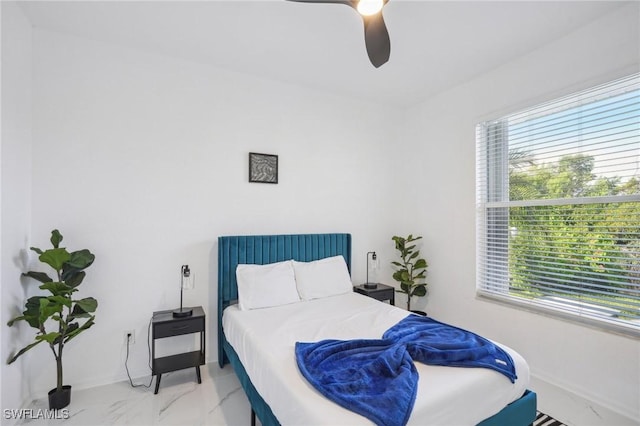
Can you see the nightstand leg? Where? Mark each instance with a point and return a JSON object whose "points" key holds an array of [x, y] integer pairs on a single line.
{"points": [[158, 377], [198, 374]]}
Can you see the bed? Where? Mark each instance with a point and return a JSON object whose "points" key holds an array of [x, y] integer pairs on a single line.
{"points": [[280, 395]]}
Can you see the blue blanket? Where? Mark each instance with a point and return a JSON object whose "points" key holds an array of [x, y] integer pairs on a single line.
{"points": [[377, 378], [434, 343]]}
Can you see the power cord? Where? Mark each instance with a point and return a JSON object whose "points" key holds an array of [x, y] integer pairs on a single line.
{"points": [[127, 360]]}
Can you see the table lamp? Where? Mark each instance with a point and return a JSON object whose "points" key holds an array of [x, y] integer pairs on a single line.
{"points": [[374, 258], [186, 282]]}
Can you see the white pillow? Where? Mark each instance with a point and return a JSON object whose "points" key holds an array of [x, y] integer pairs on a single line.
{"points": [[322, 278], [263, 286]]}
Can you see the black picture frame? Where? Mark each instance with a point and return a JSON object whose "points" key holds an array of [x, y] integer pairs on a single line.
{"points": [[263, 168]]}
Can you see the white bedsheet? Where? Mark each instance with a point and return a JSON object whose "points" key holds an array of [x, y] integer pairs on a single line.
{"points": [[264, 340]]}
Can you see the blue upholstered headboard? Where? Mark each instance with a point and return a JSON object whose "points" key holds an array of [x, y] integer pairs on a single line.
{"points": [[262, 249]]}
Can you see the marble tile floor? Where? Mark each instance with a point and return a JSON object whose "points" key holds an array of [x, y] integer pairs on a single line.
{"points": [[219, 400], [574, 410]]}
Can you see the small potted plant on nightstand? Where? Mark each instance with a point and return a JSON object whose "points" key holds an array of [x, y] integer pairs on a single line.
{"points": [[72, 316], [411, 270]]}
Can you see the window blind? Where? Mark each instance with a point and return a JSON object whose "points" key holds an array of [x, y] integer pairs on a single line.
{"points": [[558, 206]]}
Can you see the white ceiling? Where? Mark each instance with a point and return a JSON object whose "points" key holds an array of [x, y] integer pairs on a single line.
{"points": [[434, 44]]}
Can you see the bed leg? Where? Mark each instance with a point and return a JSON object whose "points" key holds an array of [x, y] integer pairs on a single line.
{"points": [[253, 418]]}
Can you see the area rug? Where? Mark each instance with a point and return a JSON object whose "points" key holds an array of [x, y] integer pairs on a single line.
{"points": [[544, 420]]}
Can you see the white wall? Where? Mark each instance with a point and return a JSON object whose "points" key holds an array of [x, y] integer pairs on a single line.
{"points": [[143, 160], [601, 366], [15, 181]]}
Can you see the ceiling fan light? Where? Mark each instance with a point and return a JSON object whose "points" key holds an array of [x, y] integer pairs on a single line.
{"points": [[369, 7]]}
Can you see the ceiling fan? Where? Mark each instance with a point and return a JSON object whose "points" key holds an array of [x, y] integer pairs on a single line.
{"points": [[376, 36]]}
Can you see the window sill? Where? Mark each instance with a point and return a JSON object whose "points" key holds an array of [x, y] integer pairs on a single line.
{"points": [[557, 308]]}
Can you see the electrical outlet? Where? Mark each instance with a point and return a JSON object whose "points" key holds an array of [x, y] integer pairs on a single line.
{"points": [[129, 336]]}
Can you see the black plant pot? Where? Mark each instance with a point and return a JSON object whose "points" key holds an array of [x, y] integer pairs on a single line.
{"points": [[58, 400]]}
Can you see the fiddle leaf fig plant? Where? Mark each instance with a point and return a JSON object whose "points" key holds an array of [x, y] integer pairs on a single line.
{"points": [[411, 270], [58, 317]]}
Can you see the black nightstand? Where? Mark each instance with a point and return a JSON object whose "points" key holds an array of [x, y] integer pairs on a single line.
{"points": [[381, 292], [164, 324]]}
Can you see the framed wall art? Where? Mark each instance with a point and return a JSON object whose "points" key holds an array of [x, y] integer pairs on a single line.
{"points": [[263, 168]]}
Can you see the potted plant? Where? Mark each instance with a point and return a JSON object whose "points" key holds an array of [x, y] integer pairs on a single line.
{"points": [[72, 316], [411, 270]]}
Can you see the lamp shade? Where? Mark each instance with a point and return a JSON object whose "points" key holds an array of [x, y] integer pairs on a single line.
{"points": [[186, 278]]}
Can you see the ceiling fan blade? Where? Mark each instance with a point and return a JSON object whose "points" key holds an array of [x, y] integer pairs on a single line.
{"points": [[376, 38]]}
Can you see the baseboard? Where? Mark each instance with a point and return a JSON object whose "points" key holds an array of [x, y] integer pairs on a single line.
{"points": [[574, 407], [138, 376]]}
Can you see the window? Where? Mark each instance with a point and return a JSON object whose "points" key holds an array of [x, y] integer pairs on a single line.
{"points": [[558, 207]]}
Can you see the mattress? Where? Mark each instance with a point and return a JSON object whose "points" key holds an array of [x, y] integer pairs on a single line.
{"points": [[264, 340]]}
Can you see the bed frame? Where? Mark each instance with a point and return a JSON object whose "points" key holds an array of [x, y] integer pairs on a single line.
{"points": [[263, 249]]}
